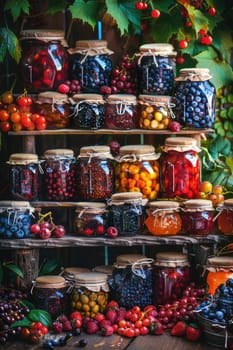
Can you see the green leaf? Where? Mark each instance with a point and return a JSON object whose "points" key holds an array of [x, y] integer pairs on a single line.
{"points": [[9, 43], [132, 14], [165, 6], [27, 303], [165, 27], [56, 6], [118, 14], [16, 8], [42, 316], [223, 40], [220, 146], [48, 267], [25, 322], [87, 11], [15, 269]]}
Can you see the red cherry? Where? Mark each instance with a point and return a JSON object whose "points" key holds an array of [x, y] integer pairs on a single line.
{"points": [[35, 229], [139, 5], [5, 126], [45, 233], [202, 32], [183, 44], [206, 40], [155, 13], [59, 231], [212, 11], [180, 60]]}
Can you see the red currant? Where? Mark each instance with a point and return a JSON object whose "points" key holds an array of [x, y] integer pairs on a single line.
{"points": [[183, 44], [212, 11], [206, 40], [180, 60], [202, 32], [139, 5], [155, 13], [188, 23]]}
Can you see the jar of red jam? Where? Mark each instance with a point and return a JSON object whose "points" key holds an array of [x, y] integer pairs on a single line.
{"points": [[163, 218], [180, 168], [225, 217], [137, 170], [170, 276], [95, 173], [198, 217], [24, 176], [91, 219], [121, 112], [44, 59], [58, 178], [219, 268]]}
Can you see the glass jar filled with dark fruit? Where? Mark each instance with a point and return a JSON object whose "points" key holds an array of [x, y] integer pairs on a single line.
{"points": [[225, 218]]}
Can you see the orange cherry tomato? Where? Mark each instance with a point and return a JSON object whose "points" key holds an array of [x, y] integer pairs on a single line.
{"points": [[4, 115]]}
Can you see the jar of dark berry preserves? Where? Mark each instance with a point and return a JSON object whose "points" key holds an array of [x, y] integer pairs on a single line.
{"points": [[194, 98], [90, 64], [24, 176], [219, 269], [180, 168], [87, 111], [44, 59], [95, 173], [156, 69], [225, 217], [170, 276], [58, 178]]}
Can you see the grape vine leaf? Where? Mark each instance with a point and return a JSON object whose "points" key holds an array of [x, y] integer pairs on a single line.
{"points": [[120, 14], [165, 27], [86, 11], [223, 40], [56, 6], [16, 7], [9, 44]]}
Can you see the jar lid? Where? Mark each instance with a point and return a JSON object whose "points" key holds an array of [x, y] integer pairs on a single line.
{"points": [[23, 158], [194, 74], [121, 98], [203, 204], [50, 281], [86, 151], [162, 49], [52, 97], [180, 144], [58, 152], [91, 277], [121, 196], [155, 99], [164, 205], [107, 269], [87, 97], [137, 152], [90, 47], [72, 271], [171, 259], [44, 35], [228, 202], [90, 207], [125, 260], [15, 204], [220, 261]]}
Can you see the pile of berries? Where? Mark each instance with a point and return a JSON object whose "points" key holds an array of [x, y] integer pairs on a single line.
{"points": [[214, 193], [34, 332], [70, 87]]}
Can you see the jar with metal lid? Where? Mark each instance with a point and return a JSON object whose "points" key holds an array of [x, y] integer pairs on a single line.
{"points": [[15, 219], [131, 282], [170, 276], [95, 173], [126, 211], [121, 112], [44, 59], [87, 111], [90, 64], [194, 98], [137, 170], [225, 217], [198, 217], [58, 178], [24, 176], [180, 168], [49, 293], [163, 218], [219, 269], [156, 69], [90, 293], [91, 219], [155, 112], [54, 107]]}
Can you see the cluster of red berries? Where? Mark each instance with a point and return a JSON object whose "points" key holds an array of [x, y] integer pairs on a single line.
{"points": [[143, 6], [34, 332], [68, 324], [45, 230], [70, 87]]}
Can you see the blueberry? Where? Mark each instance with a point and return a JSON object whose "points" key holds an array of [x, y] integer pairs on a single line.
{"points": [[219, 315], [55, 342], [82, 343], [76, 331], [48, 345], [229, 282]]}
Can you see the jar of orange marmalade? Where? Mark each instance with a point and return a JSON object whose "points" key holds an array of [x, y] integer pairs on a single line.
{"points": [[219, 268], [225, 218]]}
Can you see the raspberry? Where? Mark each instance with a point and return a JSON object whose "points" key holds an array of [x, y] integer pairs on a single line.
{"points": [[57, 327], [174, 126], [92, 327], [63, 88]]}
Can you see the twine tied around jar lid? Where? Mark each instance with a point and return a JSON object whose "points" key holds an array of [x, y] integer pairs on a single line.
{"points": [[133, 198], [171, 259], [133, 153], [90, 208], [99, 151], [64, 155], [53, 98], [23, 159], [90, 48], [49, 281], [180, 144], [94, 281], [78, 101], [219, 263], [197, 205], [159, 101], [44, 35], [126, 260], [13, 207], [122, 102], [156, 49], [194, 74], [168, 206], [138, 267]]}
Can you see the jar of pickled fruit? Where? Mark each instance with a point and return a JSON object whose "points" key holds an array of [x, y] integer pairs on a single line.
{"points": [[131, 282], [156, 69], [194, 98], [137, 170], [87, 111], [170, 276], [54, 107], [225, 217], [91, 219], [90, 293], [219, 269], [58, 178], [198, 217], [121, 112], [163, 218], [44, 59], [180, 168], [95, 173], [24, 176], [90, 64]]}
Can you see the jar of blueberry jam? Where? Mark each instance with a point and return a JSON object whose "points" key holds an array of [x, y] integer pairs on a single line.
{"points": [[180, 168], [219, 269], [170, 276], [194, 98], [24, 176], [58, 178], [90, 64], [225, 217], [156, 69], [44, 59]]}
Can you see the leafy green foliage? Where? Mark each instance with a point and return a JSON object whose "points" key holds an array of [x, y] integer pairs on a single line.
{"points": [[9, 45], [35, 315], [7, 267], [16, 8], [48, 267], [87, 11]]}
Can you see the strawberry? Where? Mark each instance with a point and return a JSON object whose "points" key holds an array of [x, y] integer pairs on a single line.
{"points": [[111, 315], [112, 304], [92, 327], [107, 330], [179, 329], [193, 332]]}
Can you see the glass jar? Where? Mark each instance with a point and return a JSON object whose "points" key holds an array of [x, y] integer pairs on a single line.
{"points": [[69, 273], [156, 69], [121, 112], [170, 276], [24, 176], [90, 64], [163, 218], [95, 173], [180, 168], [155, 112], [15, 219], [49, 293], [87, 111], [44, 59], [225, 217], [127, 213], [90, 293], [90, 219], [137, 170], [54, 107], [198, 217], [131, 282], [194, 98], [219, 268], [58, 178]]}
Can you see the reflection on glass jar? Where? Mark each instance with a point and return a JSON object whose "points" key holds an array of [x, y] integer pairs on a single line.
{"points": [[225, 218]]}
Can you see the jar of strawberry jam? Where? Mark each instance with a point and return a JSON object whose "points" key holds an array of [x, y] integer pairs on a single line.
{"points": [[163, 218], [180, 168], [58, 178], [170, 276], [225, 218], [44, 59], [137, 170], [219, 268]]}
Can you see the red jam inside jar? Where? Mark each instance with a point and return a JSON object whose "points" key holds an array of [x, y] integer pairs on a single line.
{"points": [[225, 218]]}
